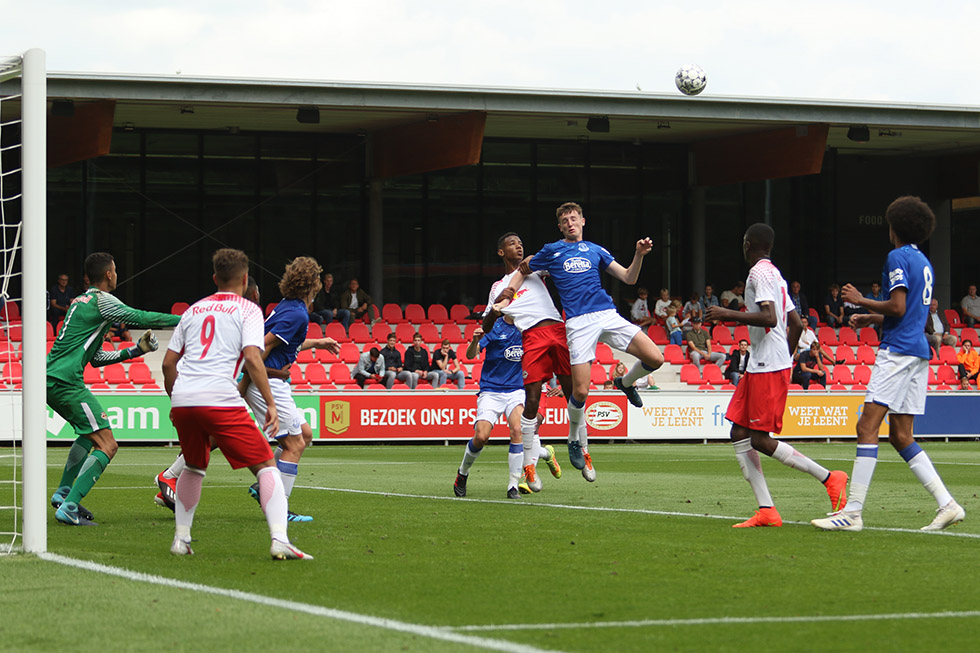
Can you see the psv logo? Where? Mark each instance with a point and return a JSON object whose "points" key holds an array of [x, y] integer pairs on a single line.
{"points": [[336, 416], [603, 415]]}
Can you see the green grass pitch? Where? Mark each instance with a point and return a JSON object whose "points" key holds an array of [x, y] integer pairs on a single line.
{"points": [[643, 559]]}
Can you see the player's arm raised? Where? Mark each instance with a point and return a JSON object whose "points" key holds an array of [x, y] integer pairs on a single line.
{"points": [[473, 349], [632, 273]]}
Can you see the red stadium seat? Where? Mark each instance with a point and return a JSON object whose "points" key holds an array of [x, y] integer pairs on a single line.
{"points": [[741, 333], [360, 333], [269, 308], [92, 375], [467, 333], [139, 374], [862, 374], [953, 318], [306, 356], [10, 312], [438, 314], [340, 375], [865, 355], [947, 355], [721, 335], [316, 374], [658, 334], [49, 331], [115, 374], [604, 354], [814, 318], [392, 314], [313, 330], [405, 333], [969, 333], [15, 332], [460, 314], [349, 353], [827, 336], [296, 376], [326, 357], [336, 331], [415, 314], [795, 386], [946, 374], [846, 354], [380, 331], [599, 376], [430, 334], [841, 375], [712, 374], [869, 336], [690, 374], [476, 371], [848, 336]]}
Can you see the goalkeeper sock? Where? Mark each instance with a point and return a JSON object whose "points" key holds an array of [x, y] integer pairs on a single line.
{"points": [[80, 449], [95, 463]]}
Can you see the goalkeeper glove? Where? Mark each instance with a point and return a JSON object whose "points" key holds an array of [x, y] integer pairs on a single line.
{"points": [[146, 343]]}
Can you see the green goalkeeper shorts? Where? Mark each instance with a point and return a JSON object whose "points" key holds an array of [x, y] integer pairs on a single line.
{"points": [[77, 405]]}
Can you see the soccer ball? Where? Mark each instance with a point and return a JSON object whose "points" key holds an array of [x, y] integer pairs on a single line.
{"points": [[690, 79]]}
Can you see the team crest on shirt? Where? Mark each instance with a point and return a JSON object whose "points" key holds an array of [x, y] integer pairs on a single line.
{"points": [[582, 247], [577, 265]]}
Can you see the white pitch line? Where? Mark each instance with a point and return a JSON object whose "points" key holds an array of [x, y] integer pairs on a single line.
{"points": [[637, 511], [710, 621], [432, 632]]}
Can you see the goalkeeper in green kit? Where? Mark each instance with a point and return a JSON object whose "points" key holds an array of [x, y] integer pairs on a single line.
{"points": [[78, 343]]}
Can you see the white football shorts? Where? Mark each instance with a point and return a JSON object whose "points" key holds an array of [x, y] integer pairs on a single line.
{"points": [[899, 382], [585, 331], [491, 405], [290, 418]]}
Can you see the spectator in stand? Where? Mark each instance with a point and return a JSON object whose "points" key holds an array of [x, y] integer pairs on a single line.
{"points": [[447, 367], [799, 299], [809, 367], [699, 345], [708, 299], [660, 310], [118, 330], [969, 364], [640, 310], [356, 301], [876, 293], [394, 371], [733, 299], [370, 366], [417, 362], [833, 307], [937, 329], [693, 307], [674, 326], [738, 361], [971, 307], [325, 308], [807, 338], [59, 300]]}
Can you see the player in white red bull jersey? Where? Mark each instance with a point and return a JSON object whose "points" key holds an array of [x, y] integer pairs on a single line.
{"points": [[215, 338], [756, 408]]}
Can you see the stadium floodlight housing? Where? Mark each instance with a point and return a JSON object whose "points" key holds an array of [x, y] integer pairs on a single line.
{"points": [[308, 115], [859, 134], [599, 124]]}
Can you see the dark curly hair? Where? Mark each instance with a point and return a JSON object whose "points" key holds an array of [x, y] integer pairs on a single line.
{"points": [[911, 219], [301, 279]]}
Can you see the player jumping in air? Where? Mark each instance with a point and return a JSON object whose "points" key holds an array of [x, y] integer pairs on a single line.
{"points": [[533, 312], [215, 337], [756, 408], [574, 265], [900, 375], [285, 336], [79, 342]]}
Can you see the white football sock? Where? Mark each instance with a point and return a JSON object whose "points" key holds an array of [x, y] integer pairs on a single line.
{"points": [[790, 457], [637, 372], [527, 437], [175, 469], [921, 465], [469, 457], [751, 466], [583, 437], [188, 496], [515, 460], [576, 415], [289, 471], [272, 498], [864, 470]]}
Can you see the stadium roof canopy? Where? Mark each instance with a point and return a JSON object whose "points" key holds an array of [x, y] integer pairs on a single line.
{"points": [[242, 105]]}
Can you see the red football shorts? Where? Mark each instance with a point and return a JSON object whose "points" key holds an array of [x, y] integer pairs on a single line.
{"points": [[239, 439], [760, 400], [545, 353]]}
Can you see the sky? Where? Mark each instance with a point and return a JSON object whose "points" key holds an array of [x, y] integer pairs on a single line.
{"points": [[898, 51]]}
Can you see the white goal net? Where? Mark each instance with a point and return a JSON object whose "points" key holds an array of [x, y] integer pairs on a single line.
{"points": [[23, 432]]}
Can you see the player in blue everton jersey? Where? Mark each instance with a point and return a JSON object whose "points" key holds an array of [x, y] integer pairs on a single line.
{"points": [[501, 393], [900, 375], [574, 265], [285, 335]]}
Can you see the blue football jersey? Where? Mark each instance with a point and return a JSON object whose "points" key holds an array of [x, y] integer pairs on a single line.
{"points": [[289, 322], [907, 267], [575, 268], [502, 370]]}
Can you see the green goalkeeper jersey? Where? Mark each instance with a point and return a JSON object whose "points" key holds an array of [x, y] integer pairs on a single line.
{"points": [[88, 320]]}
